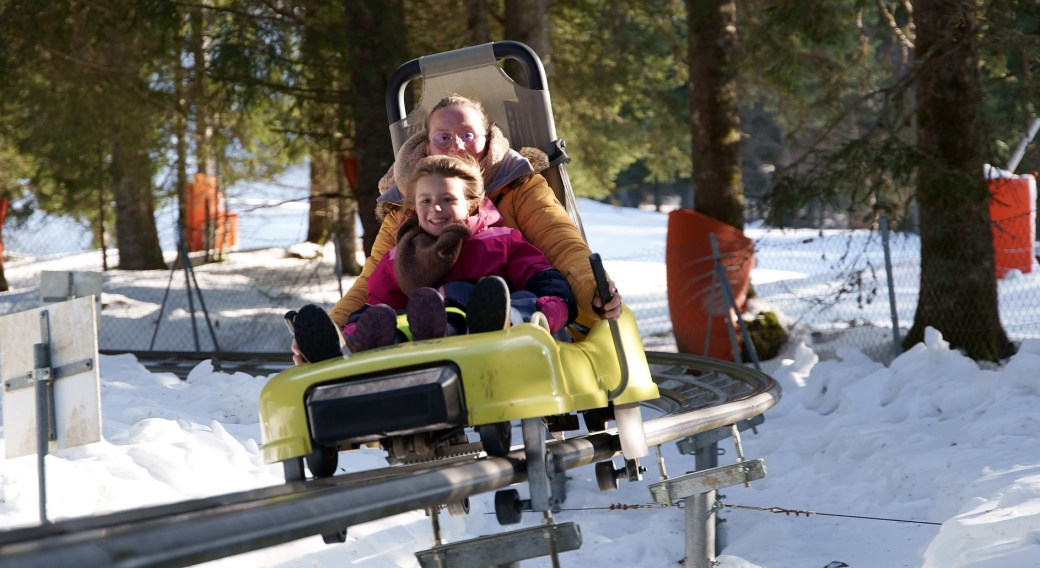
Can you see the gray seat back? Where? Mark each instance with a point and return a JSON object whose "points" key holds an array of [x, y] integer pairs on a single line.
{"points": [[524, 115]]}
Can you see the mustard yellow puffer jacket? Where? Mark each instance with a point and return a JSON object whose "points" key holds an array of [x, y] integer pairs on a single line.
{"points": [[527, 204]]}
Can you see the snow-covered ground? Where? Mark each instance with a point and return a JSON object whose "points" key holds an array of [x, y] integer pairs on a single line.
{"points": [[932, 437]]}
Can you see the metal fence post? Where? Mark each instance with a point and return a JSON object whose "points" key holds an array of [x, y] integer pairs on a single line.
{"points": [[186, 262], [41, 374], [896, 343], [727, 294], [339, 264], [723, 282]]}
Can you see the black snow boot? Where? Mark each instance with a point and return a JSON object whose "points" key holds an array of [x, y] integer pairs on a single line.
{"points": [[488, 306], [316, 334]]}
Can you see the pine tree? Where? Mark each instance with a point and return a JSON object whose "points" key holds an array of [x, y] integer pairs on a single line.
{"points": [[714, 110], [958, 294]]}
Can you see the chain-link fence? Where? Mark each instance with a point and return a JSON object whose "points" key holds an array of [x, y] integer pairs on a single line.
{"points": [[833, 289], [829, 288]]}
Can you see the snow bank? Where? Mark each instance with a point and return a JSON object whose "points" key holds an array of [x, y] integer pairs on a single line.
{"points": [[932, 438]]}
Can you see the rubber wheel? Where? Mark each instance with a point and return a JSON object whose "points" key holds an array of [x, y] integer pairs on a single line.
{"points": [[596, 419], [335, 538], [459, 508], [496, 438], [421, 443], [322, 461], [399, 446], [606, 477], [507, 507]]}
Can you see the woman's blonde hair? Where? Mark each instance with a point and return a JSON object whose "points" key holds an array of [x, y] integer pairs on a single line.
{"points": [[461, 102], [463, 167]]}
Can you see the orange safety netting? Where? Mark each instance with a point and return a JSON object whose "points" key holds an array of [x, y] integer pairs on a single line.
{"points": [[206, 224], [1013, 212], [4, 204], [692, 297]]}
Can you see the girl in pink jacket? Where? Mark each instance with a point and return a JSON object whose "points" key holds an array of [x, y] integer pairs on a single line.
{"points": [[450, 253]]}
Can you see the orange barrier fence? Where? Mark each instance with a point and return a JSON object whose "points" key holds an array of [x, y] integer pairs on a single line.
{"points": [[692, 299], [4, 204], [1013, 212], [207, 225]]}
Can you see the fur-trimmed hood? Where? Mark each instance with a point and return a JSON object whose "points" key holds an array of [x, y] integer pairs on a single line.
{"points": [[501, 166]]}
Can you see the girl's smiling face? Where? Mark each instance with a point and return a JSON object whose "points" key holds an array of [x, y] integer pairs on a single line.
{"points": [[439, 201]]}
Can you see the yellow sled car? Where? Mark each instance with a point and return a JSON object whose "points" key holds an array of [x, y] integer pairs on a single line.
{"points": [[416, 399]]}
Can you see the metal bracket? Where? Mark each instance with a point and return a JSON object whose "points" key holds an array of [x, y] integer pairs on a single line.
{"points": [[70, 296], [705, 480], [633, 471], [504, 548], [702, 441], [556, 153], [541, 467], [29, 379]]}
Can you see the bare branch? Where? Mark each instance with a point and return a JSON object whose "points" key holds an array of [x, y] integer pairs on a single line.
{"points": [[905, 41]]}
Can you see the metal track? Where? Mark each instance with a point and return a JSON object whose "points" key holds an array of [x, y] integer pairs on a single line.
{"points": [[181, 363], [197, 531]]}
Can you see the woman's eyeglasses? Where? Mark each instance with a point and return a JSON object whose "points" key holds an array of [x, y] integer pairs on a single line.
{"points": [[444, 141]]}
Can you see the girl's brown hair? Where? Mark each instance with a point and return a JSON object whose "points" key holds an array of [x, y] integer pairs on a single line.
{"points": [[463, 167], [461, 102]]}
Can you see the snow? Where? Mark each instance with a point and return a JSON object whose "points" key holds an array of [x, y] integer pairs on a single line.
{"points": [[930, 437]]}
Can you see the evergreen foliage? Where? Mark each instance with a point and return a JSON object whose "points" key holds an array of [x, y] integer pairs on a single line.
{"points": [[106, 105]]}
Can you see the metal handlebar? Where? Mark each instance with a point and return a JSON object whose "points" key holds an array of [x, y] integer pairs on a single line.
{"points": [[605, 296]]}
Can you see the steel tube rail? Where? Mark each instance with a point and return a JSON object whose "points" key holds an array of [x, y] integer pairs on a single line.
{"points": [[251, 520]]}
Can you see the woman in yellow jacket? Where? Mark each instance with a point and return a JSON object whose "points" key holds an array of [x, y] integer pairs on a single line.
{"points": [[458, 125]]}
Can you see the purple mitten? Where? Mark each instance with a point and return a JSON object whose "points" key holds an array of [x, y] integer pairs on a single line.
{"points": [[555, 311]]}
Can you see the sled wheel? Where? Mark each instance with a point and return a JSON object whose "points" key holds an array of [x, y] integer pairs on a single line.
{"points": [[399, 447], [606, 476], [421, 443], [496, 438], [507, 507], [459, 508], [323, 461]]}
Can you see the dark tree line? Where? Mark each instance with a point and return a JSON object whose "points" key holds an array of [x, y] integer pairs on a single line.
{"points": [[862, 106]]}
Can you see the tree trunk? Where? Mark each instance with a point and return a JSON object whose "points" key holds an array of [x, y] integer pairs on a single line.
{"points": [[958, 277], [203, 122], [4, 204], [180, 130], [714, 113], [527, 21], [102, 209], [477, 21], [136, 237], [323, 184], [377, 46], [344, 224]]}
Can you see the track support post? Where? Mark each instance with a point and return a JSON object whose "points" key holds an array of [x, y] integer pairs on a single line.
{"points": [[698, 489]]}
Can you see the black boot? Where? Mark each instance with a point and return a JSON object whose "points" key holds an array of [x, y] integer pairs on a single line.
{"points": [[488, 305], [316, 334]]}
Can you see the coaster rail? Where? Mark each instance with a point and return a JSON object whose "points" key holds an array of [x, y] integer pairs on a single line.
{"points": [[192, 532]]}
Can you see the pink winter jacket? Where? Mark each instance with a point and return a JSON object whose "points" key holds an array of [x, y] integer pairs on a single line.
{"points": [[491, 250]]}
